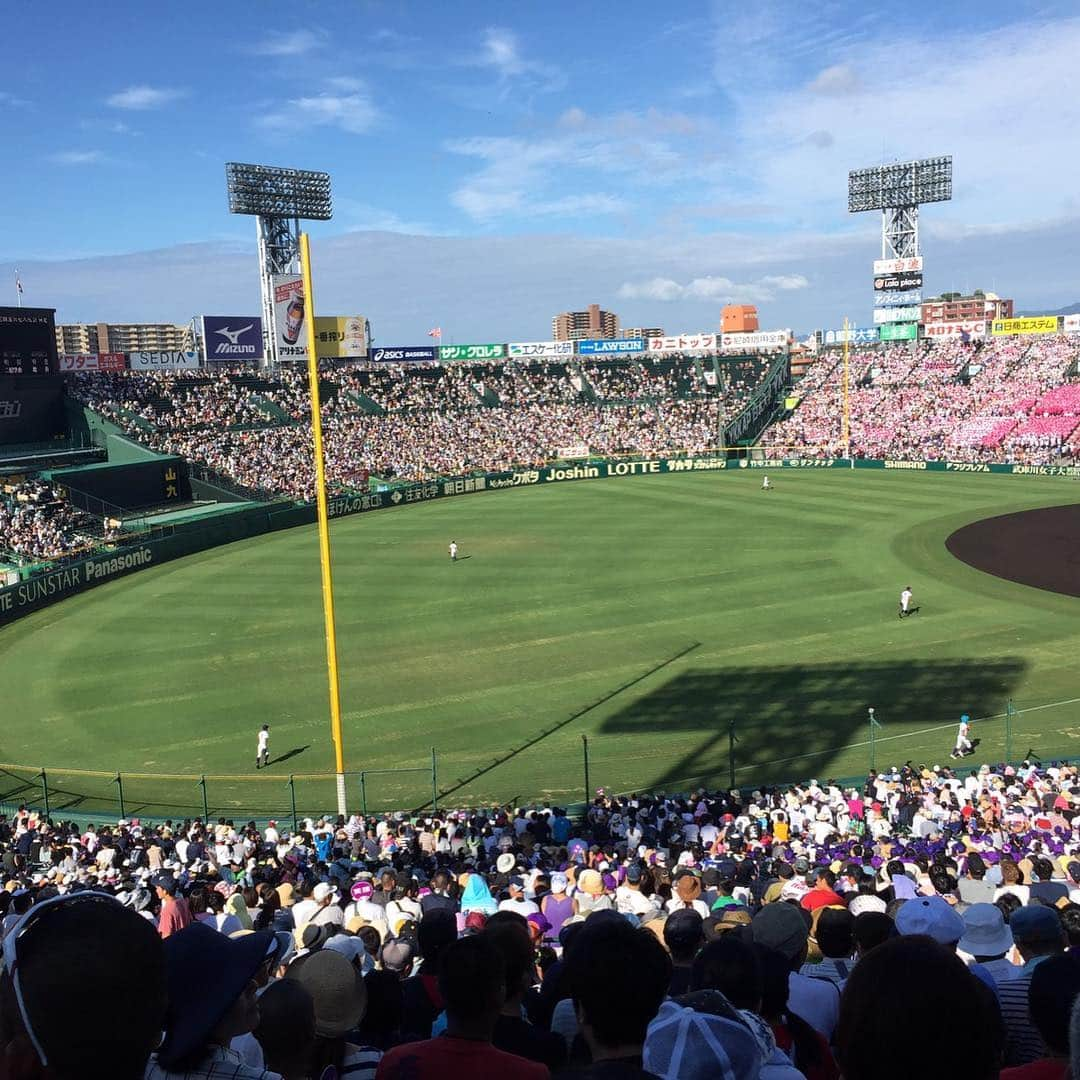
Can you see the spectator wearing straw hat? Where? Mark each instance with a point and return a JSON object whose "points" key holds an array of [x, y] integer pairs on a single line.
{"points": [[339, 995]]}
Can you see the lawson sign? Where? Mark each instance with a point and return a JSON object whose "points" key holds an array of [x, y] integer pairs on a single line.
{"points": [[610, 346], [232, 337]]}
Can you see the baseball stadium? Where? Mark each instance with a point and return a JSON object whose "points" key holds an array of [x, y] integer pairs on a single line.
{"points": [[631, 606]]}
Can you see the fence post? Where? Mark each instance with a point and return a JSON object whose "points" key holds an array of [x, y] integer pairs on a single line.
{"points": [[434, 782], [120, 792], [363, 791], [873, 728], [292, 799], [731, 752], [1010, 711], [205, 805], [585, 755], [45, 791]]}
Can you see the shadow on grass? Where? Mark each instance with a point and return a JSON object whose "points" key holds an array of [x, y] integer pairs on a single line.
{"points": [[287, 755], [795, 720], [465, 781]]}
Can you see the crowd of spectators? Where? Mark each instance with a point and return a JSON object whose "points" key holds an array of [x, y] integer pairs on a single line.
{"points": [[926, 922], [1003, 400], [418, 421], [37, 523]]}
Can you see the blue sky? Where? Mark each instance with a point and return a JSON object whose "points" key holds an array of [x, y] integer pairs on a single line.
{"points": [[491, 160]]}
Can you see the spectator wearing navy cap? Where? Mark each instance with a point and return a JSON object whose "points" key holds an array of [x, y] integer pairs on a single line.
{"points": [[1055, 985], [1038, 935]]}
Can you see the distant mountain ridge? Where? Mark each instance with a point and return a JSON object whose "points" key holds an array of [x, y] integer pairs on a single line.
{"points": [[1072, 309]]}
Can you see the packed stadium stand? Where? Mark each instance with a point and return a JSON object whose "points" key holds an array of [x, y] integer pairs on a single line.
{"points": [[780, 933], [413, 422], [1005, 400]]}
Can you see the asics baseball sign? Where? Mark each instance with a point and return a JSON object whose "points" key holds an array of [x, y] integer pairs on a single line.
{"points": [[232, 337]]}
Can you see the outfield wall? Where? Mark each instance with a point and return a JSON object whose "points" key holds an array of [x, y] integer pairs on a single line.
{"points": [[85, 573]]}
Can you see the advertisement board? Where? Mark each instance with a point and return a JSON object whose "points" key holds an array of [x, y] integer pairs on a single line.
{"points": [[912, 264], [1071, 324], [471, 352], [897, 299], [909, 279], [540, 348], [163, 361], [899, 332], [971, 329], [897, 314], [684, 343], [404, 354], [610, 346], [854, 335], [110, 361], [289, 332], [27, 341], [1031, 324], [232, 337], [339, 336], [754, 340]]}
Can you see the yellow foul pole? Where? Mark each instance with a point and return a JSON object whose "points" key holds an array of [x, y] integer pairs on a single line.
{"points": [[845, 431], [324, 525]]}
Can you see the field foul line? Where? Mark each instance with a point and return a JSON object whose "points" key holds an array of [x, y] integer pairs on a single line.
{"points": [[866, 742]]}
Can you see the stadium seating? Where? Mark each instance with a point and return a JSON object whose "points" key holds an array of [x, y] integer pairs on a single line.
{"points": [[779, 922], [411, 422], [995, 401]]}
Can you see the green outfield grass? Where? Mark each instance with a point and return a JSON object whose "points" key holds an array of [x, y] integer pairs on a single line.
{"points": [[646, 614]]}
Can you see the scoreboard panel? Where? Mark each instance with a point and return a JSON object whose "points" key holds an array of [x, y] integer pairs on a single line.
{"points": [[28, 341]]}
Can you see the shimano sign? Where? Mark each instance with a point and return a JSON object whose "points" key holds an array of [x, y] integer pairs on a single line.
{"points": [[232, 337]]}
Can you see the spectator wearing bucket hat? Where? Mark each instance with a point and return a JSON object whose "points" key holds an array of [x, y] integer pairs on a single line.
{"points": [[340, 999], [687, 890], [988, 940], [213, 985]]}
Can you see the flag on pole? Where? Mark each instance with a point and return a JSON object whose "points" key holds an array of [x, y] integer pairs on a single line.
{"points": [[18, 283], [435, 332]]}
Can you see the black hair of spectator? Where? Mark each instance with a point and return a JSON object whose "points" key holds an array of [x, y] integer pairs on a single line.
{"points": [[286, 1030], [731, 966], [1070, 923], [618, 976], [913, 984], [834, 933], [471, 981], [976, 867], [872, 928], [775, 972], [381, 1023], [437, 929], [1008, 903], [509, 933]]}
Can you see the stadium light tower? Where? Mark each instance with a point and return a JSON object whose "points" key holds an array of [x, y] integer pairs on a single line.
{"points": [[898, 190], [279, 199]]}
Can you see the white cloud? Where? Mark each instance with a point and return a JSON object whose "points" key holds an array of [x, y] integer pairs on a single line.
{"points": [[797, 142], [142, 97], [528, 177], [295, 43], [501, 52], [350, 109], [712, 288], [77, 157], [12, 101]]}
